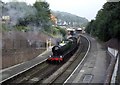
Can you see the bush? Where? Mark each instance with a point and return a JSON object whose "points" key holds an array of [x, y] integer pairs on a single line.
{"points": [[62, 31], [21, 28]]}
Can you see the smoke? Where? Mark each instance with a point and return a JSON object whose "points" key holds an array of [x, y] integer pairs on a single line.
{"points": [[17, 10]]}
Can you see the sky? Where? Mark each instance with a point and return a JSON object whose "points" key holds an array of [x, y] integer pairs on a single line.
{"points": [[83, 8]]}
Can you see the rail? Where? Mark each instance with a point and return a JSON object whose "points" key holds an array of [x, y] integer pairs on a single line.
{"points": [[81, 61]]}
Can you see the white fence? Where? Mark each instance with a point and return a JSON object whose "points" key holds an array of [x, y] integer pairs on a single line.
{"points": [[114, 52]]}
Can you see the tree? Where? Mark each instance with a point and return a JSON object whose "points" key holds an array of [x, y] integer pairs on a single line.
{"points": [[43, 14], [62, 31], [41, 18], [107, 22]]}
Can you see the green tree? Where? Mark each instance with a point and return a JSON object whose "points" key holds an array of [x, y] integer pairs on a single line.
{"points": [[41, 19], [107, 22], [62, 31], [43, 14]]}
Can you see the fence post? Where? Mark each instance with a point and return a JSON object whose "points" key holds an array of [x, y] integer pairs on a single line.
{"points": [[47, 44], [50, 42]]}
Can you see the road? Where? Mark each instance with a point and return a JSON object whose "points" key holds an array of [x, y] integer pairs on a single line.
{"points": [[94, 68]]}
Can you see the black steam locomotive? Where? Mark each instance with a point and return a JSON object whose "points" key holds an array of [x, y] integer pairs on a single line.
{"points": [[64, 50]]}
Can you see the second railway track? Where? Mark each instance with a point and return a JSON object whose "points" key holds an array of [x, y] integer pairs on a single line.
{"points": [[35, 74]]}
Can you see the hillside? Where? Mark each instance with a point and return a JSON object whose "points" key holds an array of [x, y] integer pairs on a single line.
{"points": [[65, 18], [26, 14]]}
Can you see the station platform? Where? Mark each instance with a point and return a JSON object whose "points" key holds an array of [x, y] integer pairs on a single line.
{"points": [[12, 71]]}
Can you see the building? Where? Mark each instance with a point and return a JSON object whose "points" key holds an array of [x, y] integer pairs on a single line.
{"points": [[54, 19]]}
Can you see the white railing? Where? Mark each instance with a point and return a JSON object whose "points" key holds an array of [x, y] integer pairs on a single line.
{"points": [[113, 66]]}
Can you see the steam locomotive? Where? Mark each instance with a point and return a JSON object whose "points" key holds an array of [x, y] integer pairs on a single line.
{"points": [[64, 50]]}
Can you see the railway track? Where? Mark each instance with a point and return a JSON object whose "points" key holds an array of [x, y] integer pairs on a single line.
{"points": [[65, 71], [34, 75], [43, 71]]}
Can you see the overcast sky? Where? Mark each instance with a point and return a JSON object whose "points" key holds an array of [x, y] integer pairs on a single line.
{"points": [[82, 8]]}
